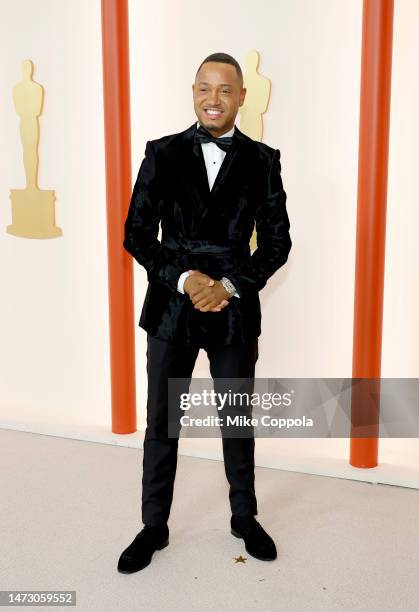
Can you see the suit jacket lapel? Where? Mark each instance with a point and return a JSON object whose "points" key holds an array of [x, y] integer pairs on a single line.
{"points": [[225, 168], [199, 176]]}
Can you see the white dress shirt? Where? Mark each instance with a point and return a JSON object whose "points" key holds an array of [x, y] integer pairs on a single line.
{"points": [[213, 157]]}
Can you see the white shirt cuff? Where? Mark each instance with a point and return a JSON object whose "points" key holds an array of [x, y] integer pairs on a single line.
{"points": [[181, 281]]}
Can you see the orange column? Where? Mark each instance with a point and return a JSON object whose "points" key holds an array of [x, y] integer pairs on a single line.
{"points": [[377, 35], [116, 98]]}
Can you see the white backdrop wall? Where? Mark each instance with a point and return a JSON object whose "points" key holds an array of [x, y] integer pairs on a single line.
{"points": [[53, 312], [54, 364], [401, 298]]}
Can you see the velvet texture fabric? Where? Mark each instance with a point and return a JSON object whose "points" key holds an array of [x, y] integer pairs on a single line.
{"points": [[207, 230]]}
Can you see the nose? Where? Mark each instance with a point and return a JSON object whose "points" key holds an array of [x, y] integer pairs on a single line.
{"points": [[213, 97]]}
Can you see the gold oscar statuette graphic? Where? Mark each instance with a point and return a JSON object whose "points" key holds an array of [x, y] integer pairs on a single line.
{"points": [[33, 209], [258, 89]]}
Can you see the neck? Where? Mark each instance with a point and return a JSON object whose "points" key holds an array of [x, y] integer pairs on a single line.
{"points": [[217, 132]]}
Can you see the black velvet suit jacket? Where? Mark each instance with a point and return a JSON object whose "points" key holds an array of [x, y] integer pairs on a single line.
{"points": [[207, 230]]}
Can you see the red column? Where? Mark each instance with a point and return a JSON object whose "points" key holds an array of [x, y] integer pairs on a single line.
{"points": [[377, 34], [116, 98]]}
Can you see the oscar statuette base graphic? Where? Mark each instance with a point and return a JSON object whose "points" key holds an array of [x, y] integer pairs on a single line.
{"points": [[33, 214], [33, 209]]}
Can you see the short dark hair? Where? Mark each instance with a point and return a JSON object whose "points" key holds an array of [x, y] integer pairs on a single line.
{"points": [[223, 58]]}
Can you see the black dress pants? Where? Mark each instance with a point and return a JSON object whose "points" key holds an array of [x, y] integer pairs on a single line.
{"points": [[167, 360]]}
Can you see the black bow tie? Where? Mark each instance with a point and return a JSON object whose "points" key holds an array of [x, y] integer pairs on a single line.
{"points": [[202, 135]]}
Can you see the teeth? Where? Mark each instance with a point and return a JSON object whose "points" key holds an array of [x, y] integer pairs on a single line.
{"points": [[213, 112]]}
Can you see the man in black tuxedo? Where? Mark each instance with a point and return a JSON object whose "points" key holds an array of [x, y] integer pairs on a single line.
{"points": [[208, 186]]}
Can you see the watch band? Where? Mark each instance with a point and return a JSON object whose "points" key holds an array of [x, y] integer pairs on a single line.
{"points": [[228, 285]]}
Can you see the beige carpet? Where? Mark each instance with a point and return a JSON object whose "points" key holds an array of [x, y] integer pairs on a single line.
{"points": [[69, 508]]}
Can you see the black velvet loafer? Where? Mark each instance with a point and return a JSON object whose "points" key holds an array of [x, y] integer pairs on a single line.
{"points": [[140, 552], [257, 542]]}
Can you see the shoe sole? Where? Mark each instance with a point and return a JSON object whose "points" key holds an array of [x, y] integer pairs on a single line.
{"points": [[166, 543], [239, 535]]}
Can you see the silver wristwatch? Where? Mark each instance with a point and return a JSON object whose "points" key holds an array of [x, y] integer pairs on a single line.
{"points": [[228, 285]]}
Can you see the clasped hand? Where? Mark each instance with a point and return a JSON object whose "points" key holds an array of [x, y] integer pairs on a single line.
{"points": [[206, 294]]}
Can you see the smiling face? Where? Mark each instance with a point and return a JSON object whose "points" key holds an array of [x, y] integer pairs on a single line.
{"points": [[217, 96]]}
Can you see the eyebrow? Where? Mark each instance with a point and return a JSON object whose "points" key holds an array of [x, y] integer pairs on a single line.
{"points": [[221, 84]]}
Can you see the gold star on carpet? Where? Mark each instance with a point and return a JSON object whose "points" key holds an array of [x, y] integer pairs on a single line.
{"points": [[240, 559]]}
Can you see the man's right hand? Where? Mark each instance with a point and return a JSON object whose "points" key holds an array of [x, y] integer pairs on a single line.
{"points": [[196, 280]]}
